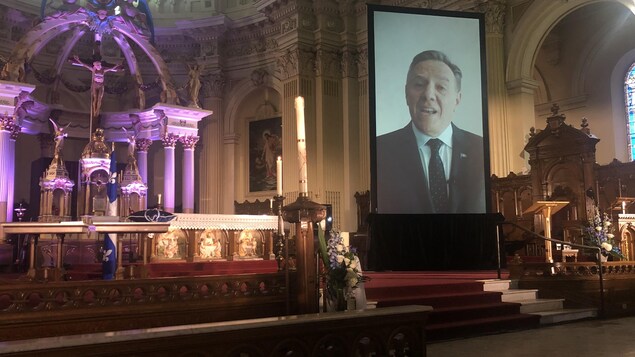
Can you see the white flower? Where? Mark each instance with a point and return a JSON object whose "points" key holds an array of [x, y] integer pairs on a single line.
{"points": [[339, 247], [598, 228], [347, 261], [340, 258], [607, 223], [610, 236], [354, 264], [607, 246]]}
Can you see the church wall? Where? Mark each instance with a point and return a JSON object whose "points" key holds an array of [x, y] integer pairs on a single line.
{"points": [[241, 56]]}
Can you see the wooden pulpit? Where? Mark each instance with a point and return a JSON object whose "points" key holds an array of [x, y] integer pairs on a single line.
{"points": [[546, 209]]}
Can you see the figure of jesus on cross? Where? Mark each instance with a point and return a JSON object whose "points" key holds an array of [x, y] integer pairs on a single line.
{"points": [[97, 83]]}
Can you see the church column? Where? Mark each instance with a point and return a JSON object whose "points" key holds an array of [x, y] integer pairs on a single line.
{"points": [[500, 149], [11, 172], [169, 143], [211, 158], [189, 142], [142, 146], [351, 137], [6, 163], [230, 143], [293, 62], [520, 100]]}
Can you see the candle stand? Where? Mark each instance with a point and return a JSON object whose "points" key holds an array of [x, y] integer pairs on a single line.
{"points": [[304, 213]]}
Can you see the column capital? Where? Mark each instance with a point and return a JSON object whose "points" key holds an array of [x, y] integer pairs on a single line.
{"points": [[494, 15], [189, 142], [522, 85], [142, 145], [213, 85], [15, 132], [169, 140], [7, 123]]}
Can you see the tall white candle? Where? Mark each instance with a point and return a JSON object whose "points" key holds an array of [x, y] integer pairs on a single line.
{"points": [[279, 176], [159, 199], [299, 113]]}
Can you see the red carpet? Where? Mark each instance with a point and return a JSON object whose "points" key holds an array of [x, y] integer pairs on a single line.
{"points": [[461, 307]]}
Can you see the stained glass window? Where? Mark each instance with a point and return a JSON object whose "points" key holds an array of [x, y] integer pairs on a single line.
{"points": [[629, 90]]}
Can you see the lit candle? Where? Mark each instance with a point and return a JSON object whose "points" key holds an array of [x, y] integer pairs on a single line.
{"points": [[158, 199], [279, 176], [299, 112]]}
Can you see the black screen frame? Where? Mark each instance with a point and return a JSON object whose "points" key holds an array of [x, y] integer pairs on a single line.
{"points": [[426, 14]]}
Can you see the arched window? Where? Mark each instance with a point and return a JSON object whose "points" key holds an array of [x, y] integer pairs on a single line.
{"points": [[629, 91]]}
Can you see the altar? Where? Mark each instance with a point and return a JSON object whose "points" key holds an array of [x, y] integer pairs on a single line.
{"points": [[56, 249]]}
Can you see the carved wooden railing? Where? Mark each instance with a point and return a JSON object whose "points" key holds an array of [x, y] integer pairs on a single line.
{"points": [[548, 269], [391, 331], [29, 310]]}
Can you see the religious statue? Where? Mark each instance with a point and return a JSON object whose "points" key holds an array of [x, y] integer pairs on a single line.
{"points": [[58, 136], [210, 246], [163, 122], [97, 84], [132, 142], [247, 244], [22, 107], [13, 70], [168, 245], [194, 83]]}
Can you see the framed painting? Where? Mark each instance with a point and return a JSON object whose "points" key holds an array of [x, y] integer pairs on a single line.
{"points": [[265, 145]]}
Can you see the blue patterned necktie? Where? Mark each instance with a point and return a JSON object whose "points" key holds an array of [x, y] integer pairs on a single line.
{"points": [[436, 178]]}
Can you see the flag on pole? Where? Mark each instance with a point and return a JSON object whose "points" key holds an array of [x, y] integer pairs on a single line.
{"points": [[109, 264]]}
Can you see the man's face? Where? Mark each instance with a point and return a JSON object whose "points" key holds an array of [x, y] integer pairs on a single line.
{"points": [[97, 65], [432, 96]]}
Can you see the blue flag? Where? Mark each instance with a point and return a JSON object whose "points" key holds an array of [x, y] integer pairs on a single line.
{"points": [[109, 264]]}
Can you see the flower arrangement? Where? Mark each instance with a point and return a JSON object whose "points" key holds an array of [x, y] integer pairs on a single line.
{"points": [[598, 232], [341, 265]]}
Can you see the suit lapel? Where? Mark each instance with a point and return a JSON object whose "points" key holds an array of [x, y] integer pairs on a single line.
{"points": [[460, 157], [415, 176]]}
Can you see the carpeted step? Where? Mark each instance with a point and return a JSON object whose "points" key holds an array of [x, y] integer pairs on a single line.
{"points": [[377, 290], [441, 300], [472, 312], [467, 328]]}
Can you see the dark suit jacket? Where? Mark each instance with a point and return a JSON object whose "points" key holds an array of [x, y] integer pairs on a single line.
{"points": [[401, 183]]}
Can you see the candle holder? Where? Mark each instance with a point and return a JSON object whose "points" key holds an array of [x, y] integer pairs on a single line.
{"points": [[305, 211], [281, 252]]}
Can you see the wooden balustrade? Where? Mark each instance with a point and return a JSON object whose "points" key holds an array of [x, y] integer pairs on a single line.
{"points": [[391, 331]]}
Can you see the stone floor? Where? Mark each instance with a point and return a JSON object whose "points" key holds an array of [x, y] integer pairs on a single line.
{"points": [[597, 338]]}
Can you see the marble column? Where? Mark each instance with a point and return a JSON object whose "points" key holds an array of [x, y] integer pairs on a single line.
{"points": [[520, 100], [6, 127], [230, 146], [169, 144], [11, 172], [210, 178], [189, 142], [142, 146], [500, 149]]}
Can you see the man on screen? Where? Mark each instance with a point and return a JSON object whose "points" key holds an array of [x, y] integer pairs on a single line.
{"points": [[430, 165]]}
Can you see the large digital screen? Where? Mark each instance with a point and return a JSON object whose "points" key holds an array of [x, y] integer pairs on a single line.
{"points": [[428, 111]]}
